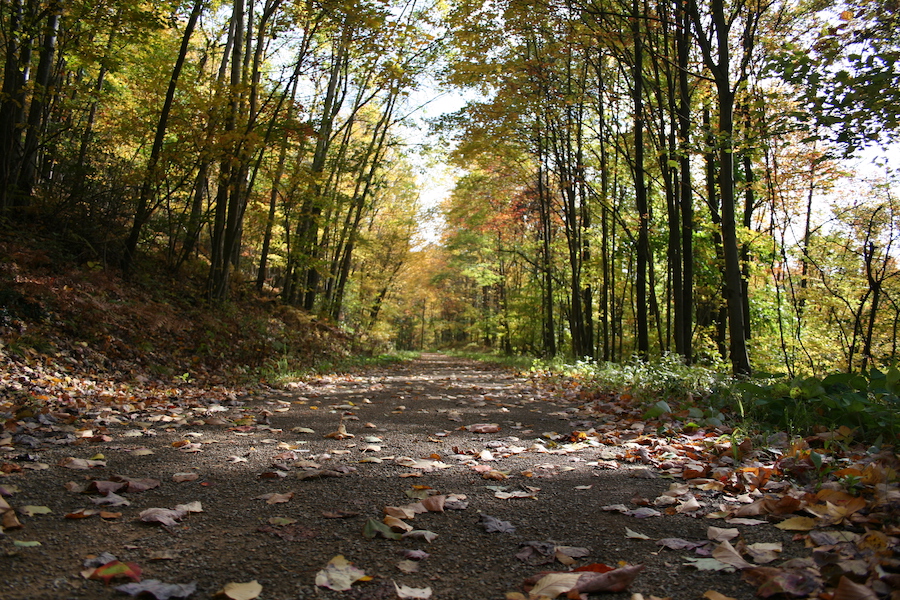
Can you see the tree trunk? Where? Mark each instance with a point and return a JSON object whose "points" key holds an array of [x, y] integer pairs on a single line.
{"points": [[640, 189], [144, 207], [39, 98], [12, 101]]}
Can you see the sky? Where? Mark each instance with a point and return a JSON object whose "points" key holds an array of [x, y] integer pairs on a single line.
{"points": [[436, 178]]}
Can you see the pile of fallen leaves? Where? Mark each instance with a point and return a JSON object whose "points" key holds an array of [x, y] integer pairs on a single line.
{"points": [[839, 497], [78, 341]]}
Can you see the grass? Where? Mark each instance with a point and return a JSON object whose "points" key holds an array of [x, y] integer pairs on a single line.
{"points": [[285, 369]]}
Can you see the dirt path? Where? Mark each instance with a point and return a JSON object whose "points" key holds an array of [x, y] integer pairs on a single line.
{"points": [[421, 414]]}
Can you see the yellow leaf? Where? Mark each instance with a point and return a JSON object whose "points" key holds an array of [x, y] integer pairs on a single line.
{"points": [[797, 524], [240, 591], [714, 595]]}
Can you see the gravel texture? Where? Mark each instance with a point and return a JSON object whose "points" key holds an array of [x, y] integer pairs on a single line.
{"points": [[422, 410]]}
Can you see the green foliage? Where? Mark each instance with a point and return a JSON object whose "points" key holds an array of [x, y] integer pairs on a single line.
{"points": [[287, 368], [869, 402], [666, 378], [514, 362]]}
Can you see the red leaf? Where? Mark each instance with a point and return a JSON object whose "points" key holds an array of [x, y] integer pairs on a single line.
{"points": [[595, 567], [117, 568]]}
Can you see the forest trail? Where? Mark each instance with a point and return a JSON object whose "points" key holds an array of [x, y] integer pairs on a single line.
{"points": [[271, 487]]}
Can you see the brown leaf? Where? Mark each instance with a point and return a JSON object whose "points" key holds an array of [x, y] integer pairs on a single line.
{"points": [[165, 516], [274, 498], [397, 525], [434, 503], [83, 513], [726, 553], [10, 521], [802, 582], [484, 428], [616, 580], [848, 590]]}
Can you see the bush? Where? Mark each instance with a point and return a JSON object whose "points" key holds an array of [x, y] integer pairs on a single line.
{"points": [[868, 401]]}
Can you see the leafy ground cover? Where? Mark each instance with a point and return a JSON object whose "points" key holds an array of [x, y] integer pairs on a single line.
{"points": [[440, 478]]}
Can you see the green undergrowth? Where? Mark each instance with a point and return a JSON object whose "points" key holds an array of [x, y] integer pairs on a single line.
{"points": [[518, 362], [867, 402], [701, 396], [284, 369]]}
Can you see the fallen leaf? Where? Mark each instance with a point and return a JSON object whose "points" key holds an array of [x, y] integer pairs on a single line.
{"points": [[763, 552], [408, 566], [82, 513], [537, 553], [276, 498], [848, 590], [707, 564], [797, 524], [770, 581], [111, 499], [727, 554], [374, 528], [515, 494], [552, 585], [495, 525], [135, 484], [240, 591], [165, 516], [340, 434], [9, 520], [690, 505], [643, 513], [678, 544], [159, 590], [114, 569], [635, 535], [416, 593], [70, 462], [484, 428], [339, 574], [182, 477], [714, 595], [718, 534], [420, 534], [191, 507], [616, 580], [401, 512], [742, 521], [30, 511], [397, 525]]}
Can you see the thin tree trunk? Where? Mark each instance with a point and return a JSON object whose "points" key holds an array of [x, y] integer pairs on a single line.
{"points": [[144, 208], [640, 192], [39, 98]]}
